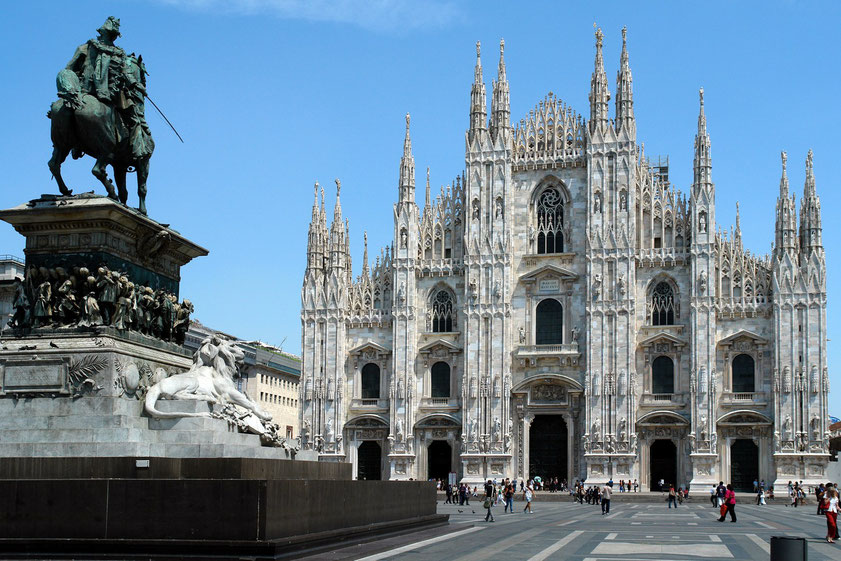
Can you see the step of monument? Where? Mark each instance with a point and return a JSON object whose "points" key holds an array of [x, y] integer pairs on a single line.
{"points": [[75, 449], [188, 423], [183, 406], [64, 406], [204, 437], [76, 435], [10, 422]]}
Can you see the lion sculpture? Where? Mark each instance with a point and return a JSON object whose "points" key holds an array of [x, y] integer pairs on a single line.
{"points": [[211, 379]]}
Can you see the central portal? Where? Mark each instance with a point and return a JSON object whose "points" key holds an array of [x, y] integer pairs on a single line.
{"points": [[548, 447], [663, 464]]}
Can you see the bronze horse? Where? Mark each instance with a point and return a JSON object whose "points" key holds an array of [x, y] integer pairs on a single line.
{"points": [[82, 124]]}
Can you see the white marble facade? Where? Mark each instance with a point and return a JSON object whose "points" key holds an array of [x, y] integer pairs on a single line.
{"points": [[561, 309]]}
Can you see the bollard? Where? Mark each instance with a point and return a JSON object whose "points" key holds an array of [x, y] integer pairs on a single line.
{"points": [[785, 548]]}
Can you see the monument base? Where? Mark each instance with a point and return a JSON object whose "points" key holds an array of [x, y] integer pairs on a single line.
{"points": [[79, 393], [218, 518]]}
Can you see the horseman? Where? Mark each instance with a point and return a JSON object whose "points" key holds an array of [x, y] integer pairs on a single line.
{"points": [[106, 72]]}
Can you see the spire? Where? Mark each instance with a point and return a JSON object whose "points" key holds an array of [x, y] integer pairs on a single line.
{"points": [[428, 201], [737, 234], [365, 256], [703, 161], [500, 102], [624, 88], [599, 94], [315, 205], [337, 210], [810, 215], [784, 177], [785, 228], [315, 238], [478, 101], [407, 168]]}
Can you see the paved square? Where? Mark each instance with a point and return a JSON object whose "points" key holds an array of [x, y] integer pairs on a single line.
{"points": [[631, 532]]}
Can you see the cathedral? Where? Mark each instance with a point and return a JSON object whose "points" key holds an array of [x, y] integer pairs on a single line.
{"points": [[562, 310]]}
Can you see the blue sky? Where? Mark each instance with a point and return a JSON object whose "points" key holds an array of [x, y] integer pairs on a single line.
{"points": [[271, 95]]}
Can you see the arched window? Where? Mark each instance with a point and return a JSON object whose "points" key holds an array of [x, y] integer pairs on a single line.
{"points": [[440, 380], [370, 381], [550, 323], [744, 374], [663, 375], [550, 221], [442, 312], [662, 305]]}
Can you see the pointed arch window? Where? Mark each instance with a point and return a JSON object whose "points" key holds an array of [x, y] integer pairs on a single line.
{"points": [[442, 312], [550, 221], [662, 304]]}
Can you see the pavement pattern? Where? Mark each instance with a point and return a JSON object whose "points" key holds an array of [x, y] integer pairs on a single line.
{"points": [[574, 532]]}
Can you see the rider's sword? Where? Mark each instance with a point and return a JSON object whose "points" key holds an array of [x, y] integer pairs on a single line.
{"points": [[155, 105]]}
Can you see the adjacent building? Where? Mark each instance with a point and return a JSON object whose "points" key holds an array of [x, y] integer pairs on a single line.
{"points": [[11, 269], [271, 376], [561, 309]]}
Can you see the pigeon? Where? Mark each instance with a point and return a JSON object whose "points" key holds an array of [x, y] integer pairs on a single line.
{"points": [[53, 345], [460, 510], [473, 511]]}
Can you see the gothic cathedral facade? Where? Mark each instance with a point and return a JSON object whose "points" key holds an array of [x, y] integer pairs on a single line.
{"points": [[561, 310]]}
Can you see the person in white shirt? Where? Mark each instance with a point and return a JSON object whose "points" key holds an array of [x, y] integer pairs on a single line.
{"points": [[606, 490]]}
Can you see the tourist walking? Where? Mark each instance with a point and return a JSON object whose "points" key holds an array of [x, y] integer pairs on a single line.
{"points": [[830, 509], [729, 504], [713, 496], [509, 498], [490, 495], [606, 490], [528, 493], [672, 496]]}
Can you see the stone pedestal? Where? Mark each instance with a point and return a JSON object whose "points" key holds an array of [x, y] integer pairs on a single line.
{"points": [[704, 471], [69, 393], [810, 468], [90, 231]]}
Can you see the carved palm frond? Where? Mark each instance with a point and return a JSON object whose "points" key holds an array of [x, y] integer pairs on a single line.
{"points": [[86, 367]]}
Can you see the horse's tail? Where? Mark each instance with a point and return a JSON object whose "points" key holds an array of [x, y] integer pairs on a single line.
{"points": [[151, 400]]}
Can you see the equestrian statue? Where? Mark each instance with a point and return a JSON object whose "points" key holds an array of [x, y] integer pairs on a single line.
{"points": [[101, 112]]}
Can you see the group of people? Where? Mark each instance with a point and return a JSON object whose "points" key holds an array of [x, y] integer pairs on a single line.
{"points": [[504, 492], [58, 297]]}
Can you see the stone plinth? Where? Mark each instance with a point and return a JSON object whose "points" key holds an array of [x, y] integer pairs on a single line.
{"points": [[91, 230], [74, 393]]}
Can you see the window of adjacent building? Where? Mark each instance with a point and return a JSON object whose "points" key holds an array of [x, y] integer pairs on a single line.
{"points": [[744, 374], [662, 304], [550, 221], [442, 312], [440, 379], [370, 381], [550, 323], [663, 375]]}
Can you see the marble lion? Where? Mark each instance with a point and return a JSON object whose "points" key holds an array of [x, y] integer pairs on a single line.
{"points": [[210, 378]]}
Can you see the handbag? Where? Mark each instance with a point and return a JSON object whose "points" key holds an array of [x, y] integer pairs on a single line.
{"points": [[723, 510], [488, 502]]}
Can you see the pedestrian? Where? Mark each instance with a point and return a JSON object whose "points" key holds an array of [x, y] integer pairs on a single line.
{"points": [[528, 493], [490, 495], [793, 495], [672, 496], [820, 491], [713, 494], [606, 490], [830, 504], [720, 491], [635, 486], [755, 485], [729, 504], [509, 498], [449, 492]]}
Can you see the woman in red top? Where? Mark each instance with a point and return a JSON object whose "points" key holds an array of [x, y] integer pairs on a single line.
{"points": [[730, 503]]}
